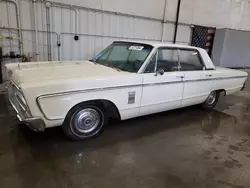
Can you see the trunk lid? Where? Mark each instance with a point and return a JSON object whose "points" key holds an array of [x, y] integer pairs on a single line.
{"points": [[231, 72]]}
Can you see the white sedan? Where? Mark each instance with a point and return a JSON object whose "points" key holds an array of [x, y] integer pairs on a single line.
{"points": [[126, 80]]}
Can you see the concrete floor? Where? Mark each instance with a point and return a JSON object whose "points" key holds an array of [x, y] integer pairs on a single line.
{"points": [[183, 148]]}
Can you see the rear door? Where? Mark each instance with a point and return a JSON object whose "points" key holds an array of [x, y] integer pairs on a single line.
{"points": [[197, 80]]}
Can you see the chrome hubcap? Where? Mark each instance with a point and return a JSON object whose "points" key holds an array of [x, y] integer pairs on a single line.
{"points": [[211, 98], [86, 120]]}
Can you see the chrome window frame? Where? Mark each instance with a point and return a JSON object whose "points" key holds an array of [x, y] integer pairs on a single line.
{"points": [[148, 60]]}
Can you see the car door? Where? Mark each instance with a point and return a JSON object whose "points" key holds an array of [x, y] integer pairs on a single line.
{"points": [[197, 80], [162, 83]]}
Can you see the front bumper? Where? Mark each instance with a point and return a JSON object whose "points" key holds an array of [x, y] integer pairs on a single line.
{"points": [[34, 123]]}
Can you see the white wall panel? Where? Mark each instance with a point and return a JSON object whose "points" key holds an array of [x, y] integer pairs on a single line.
{"points": [[8, 19], [7, 15], [85, 48], [9, 45], [183, 34], [231, 48], [171, 8], [149, 8], [3, 14], [41, 17], [187, 11], [27, 16], [214, 13], [98, 28], [102, 26]]}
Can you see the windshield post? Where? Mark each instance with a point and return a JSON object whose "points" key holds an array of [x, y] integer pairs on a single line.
{"points": [[156, 60]]}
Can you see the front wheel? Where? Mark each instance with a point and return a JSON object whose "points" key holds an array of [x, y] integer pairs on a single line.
{"points": [[211, 100], [84, 121]]}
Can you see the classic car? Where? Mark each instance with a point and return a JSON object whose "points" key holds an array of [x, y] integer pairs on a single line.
{"points": [[126, 80]]}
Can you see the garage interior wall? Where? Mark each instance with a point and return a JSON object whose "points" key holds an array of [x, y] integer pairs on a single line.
{"points": [[94, 28], [99, 22], [231, 48]]}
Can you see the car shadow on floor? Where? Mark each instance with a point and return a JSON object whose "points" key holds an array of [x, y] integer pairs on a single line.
{"points": [[121, 131]]}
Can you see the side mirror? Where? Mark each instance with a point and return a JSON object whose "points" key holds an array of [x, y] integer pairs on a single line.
{"points": [[159, 72]]}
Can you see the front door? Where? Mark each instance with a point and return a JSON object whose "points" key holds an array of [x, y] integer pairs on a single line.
{"points": [[197, 80], [162, 83]]}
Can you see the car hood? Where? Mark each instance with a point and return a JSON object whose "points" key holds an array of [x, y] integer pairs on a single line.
{"points": [[41, 71]]}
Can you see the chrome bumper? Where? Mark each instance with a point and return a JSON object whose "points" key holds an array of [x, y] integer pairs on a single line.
{"points": [[244, 86], [34, 123]]}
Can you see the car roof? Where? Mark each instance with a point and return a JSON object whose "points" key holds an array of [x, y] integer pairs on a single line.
{"points": [[159, 44]]}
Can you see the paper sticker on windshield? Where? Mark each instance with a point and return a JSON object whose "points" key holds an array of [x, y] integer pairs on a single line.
{"points": [[138, 48]]}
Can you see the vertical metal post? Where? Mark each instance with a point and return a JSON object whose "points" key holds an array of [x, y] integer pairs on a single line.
{"points": [[1, 55], [163, 21], [19, 26], [177, 20], [36, 34], [48, 30]]}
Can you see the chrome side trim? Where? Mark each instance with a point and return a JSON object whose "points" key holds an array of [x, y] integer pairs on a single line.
{"points": [[128, 86], [85, 91], [163, 83], [208, 79], [73, 92], [223, 78], [118, 87]]}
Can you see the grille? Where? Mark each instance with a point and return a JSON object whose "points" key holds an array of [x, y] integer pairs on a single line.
{"points": [[19, 96]]}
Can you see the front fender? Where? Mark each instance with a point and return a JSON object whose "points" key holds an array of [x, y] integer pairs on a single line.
{"points": [[56, 106]]}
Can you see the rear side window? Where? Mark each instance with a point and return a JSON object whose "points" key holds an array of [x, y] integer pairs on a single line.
{"points": [[190, 60]]}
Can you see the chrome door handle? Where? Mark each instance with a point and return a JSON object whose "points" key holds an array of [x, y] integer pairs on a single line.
{"points": [[179, 76], [209, 75]]}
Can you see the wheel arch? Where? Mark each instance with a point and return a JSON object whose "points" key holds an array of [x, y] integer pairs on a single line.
{"points": [[107, 105], [222, 91]]}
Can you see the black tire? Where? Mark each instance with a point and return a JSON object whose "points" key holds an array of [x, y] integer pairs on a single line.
{"points": [[75, 126], [208, 104]]}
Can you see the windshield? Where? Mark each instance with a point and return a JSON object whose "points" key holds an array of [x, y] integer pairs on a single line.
{"points": [[124, 56]]}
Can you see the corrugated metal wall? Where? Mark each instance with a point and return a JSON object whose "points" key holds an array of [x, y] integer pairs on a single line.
{"points": [[95, 28]]}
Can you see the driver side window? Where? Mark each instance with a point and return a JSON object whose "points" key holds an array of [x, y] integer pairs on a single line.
{"points": [[167, 60]]}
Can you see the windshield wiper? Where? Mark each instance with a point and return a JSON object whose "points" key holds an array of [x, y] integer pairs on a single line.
{"points": [[107, 65], [111, 66], [91, 60]]}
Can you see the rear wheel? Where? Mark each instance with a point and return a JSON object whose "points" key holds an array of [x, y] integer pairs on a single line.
{"points": [[84, 121], [211, 100]]}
